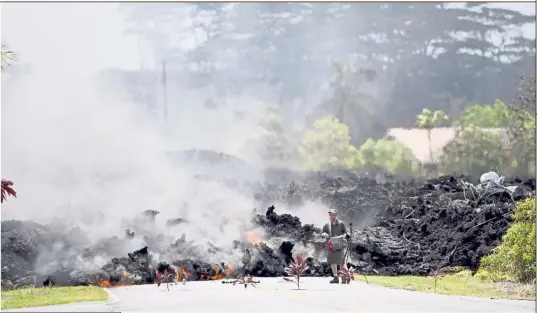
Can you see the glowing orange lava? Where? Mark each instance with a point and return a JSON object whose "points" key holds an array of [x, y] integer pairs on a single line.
{"points": [[101, 283], [124, 281], [253, 238]]}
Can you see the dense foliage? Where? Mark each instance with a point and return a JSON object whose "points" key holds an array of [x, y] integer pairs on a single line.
{"points": [[327, 145], [495, 137], [514, 258], [351, 71]]}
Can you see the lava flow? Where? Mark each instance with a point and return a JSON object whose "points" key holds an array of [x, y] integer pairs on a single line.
{"points": [[180, 273], [123, 281], [101, 282], [253, 238]]}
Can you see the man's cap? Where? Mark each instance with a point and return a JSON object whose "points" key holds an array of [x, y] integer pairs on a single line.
{"points": [[332, 211]]}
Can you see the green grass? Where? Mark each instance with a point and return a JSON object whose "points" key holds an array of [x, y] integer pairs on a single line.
{"points": [[30, 297], [460, 284]]}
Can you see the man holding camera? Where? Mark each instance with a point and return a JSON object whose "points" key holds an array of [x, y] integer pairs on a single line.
{"points": [[336, 237]]}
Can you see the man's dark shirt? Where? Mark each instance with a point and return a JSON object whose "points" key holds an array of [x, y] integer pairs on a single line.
{"points": [[338, 229]]}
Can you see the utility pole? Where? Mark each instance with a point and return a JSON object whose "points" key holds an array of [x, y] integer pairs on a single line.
{"points": [[164, 92]]}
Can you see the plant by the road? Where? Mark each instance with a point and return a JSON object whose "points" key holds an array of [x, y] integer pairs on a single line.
{"points": [[245, 280], [7, 190], [514, 258], [163, 277], [295, 270], [436, 274], [347, 274]]}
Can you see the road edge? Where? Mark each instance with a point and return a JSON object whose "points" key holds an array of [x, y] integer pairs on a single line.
{"points": [[112, 298]]}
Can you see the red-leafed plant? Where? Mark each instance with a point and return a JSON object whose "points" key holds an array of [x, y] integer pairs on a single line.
{"points": [[7, 190], [164, 277], [295, 270], [347, 274], [436, 275], [245, 280]]}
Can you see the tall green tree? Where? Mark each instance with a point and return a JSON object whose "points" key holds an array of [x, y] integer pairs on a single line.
{"points": [[272, 142], [327, 145], [521, 132], [474, 151], [491, 116], [354, 102], [387, 154], [429, 120], [438, 53]]}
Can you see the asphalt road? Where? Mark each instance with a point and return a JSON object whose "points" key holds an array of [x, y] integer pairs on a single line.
{"points": [[273, 294]]}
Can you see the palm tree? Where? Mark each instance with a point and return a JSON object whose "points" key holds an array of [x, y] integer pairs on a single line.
{"points": [[429, 120], [6, 190], [352, 102], [6, 56]]}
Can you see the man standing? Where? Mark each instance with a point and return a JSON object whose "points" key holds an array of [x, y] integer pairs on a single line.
{"points": [[334, 232]]}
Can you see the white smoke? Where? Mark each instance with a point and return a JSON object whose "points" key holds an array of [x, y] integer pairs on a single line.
{"points": [[91, 161]]}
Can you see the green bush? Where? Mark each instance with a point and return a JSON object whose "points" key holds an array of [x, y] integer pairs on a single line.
{"points": [[514, 258], [327, 145], [473, 151], [388, 154], [486, 276], [488, 116]]}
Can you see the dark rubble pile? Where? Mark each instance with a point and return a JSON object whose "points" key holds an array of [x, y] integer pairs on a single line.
{"points": [[35, 255], [404, 227], [451, 224], [412, 227], [38, 255], [356, 195]]}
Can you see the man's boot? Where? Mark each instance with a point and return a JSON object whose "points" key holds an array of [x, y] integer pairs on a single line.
{"points": [[335, 280]]}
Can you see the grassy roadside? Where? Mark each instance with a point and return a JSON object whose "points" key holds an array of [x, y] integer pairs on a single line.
{"points": [[30, 297], [460, 284]]}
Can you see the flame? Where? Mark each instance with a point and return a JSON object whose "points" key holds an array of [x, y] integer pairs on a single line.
{"points": [[228, 271], [177, 276], [221, 272], [180, 273], [252, 237], [185, 272], [218, 273], [101, 283]]}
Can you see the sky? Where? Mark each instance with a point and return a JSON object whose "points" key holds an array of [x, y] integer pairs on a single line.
{"points": [[96, 31]]}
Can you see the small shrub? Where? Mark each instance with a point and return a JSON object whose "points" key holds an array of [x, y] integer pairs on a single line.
{"points": [[436, 274], [296, 270], [347, 274], [463, 274], [514, 258], [245, 280], [454, 269], [486, 276]]}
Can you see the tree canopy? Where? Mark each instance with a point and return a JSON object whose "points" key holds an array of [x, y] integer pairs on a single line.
{"points": [[434, 55]]}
